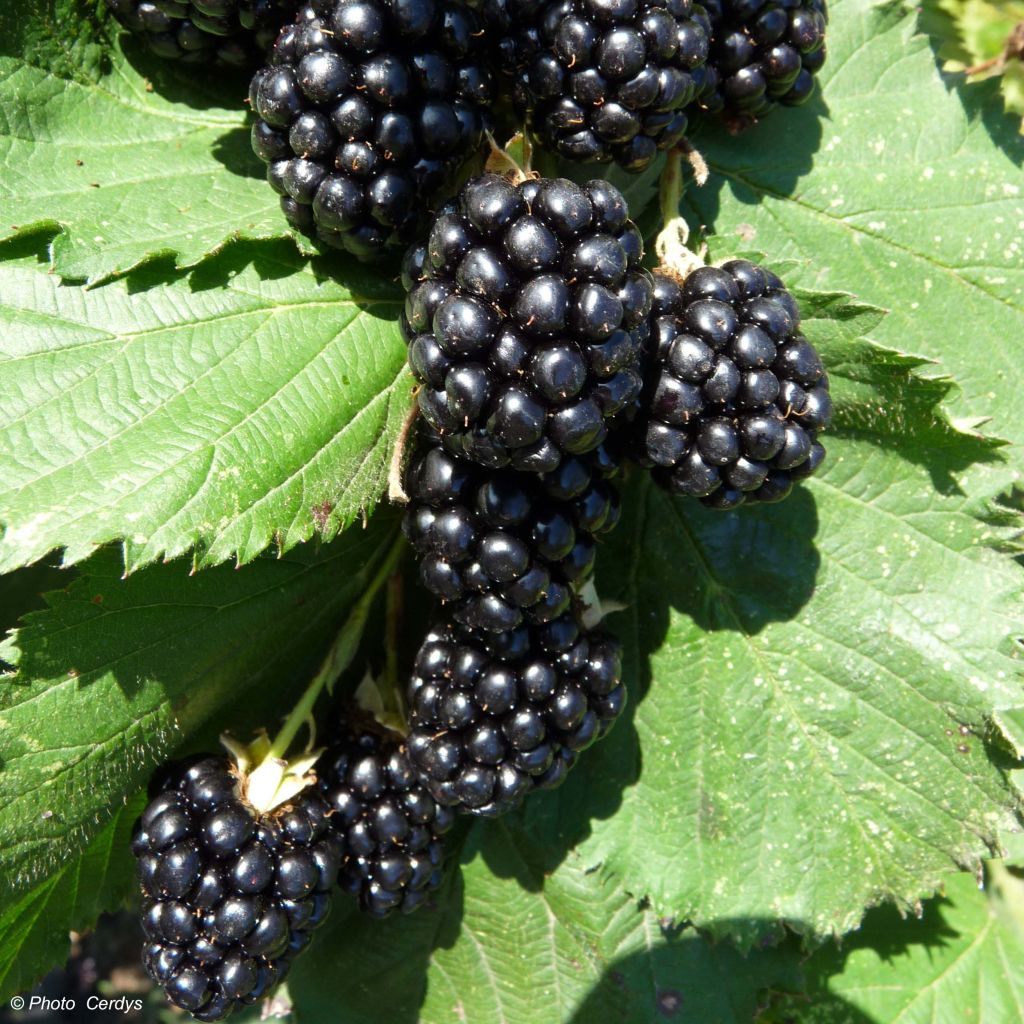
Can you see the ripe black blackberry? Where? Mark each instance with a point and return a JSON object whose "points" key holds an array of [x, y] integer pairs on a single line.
{"points": [[390, 827], [236, 33], [525, 315], [734, 394], [367, 109], [603, 80], [493, 717], [763, 52], [229, 897], [500, 547]]}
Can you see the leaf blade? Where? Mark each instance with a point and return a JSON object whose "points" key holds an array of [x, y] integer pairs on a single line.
{"points": [[812, 704], [250, 403]]}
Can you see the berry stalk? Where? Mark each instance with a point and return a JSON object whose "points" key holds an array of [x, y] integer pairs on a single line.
{"points": [[674, 254], [338, 658]]}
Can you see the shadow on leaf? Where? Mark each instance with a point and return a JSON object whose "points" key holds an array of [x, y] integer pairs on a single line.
{"points": [[234, 150], [981, 100], [725, 571], [784, 142], [885, 934], [179, 82], [883, 399]]}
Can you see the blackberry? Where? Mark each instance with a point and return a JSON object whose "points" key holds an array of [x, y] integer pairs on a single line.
{"points": [[389, 825], [236, 33], [500, 547], [525, 315], [734, 394], [367, 109], [763, 52], [493, 717], [604, 80], [229, 898]]}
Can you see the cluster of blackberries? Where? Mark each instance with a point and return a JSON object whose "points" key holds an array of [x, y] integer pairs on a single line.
{"points": [[764, 52], [366, 110], [526, 318], [235, 33], [515, 679], [734, 394], [614, 80], [604, 80], [545, 356], [717, 392], [229, 898]]}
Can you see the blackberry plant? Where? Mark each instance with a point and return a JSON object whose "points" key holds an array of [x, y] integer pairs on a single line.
{"points": [[603, 80], [525, 314], [500, 547], [197, 426], [763, 53], [236, 33], [494, 716], [735, 396], [231, 894], [389, 825], [366, 110]]}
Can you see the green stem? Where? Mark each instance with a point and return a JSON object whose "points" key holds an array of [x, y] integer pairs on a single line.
{"points": [[672, 244], [670, 186], [339, 657], [392, 632]]}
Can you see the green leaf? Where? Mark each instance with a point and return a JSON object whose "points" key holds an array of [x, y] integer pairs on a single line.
{"points": [[128, 156], [34, 929], [507, 943], [894, 187], [961, 960], [250, 402], [813, 682], [117, 673]]}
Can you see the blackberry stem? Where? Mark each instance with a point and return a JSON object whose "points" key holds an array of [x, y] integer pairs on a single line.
{"points": [[338, 658], [527, 153], [670, 187], [382, 697], [393, 630], [674, 255]]}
